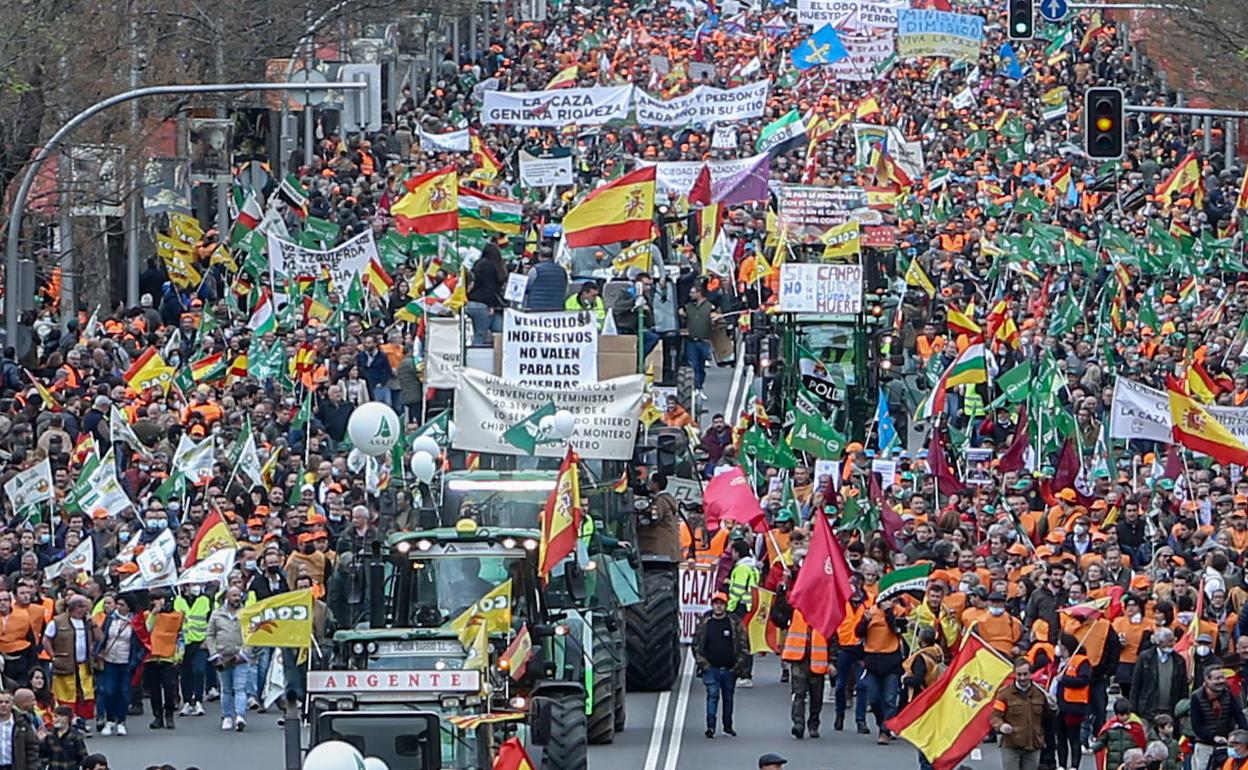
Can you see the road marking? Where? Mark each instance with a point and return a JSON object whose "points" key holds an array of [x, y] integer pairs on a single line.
{"points": [[678, 718], [656, 731]]}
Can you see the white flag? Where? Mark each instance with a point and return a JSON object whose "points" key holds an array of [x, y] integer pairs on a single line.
{"points": [[104, 492], [81, 558], [249, 462], [119, 430], [194, 460], [31, 486], [209, 570], [156, 562]]}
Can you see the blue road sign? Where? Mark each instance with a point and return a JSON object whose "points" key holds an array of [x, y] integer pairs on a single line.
{"points": [[1054, 11]]}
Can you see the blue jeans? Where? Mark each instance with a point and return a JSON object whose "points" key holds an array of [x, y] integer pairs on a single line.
{"points": [[259, 671], [113, 691], [649, 338], [485, 322], [194, 672], [234, 683], [383, 394], [882, 692], [697, 353], [719, 681], [849, 674]]}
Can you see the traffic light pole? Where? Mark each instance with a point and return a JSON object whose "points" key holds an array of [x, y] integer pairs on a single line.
{"points": [[54, 143]]}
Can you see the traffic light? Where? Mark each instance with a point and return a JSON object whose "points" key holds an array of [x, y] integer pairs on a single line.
{"points": [[1022, 19], [1103, 124]]}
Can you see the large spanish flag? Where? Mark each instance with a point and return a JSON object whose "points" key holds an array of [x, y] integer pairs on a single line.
{"points": [[1193, 427], [619, 211], [431, 204], [213, 535], [561, 519], [1184, 180], [951, 717]]}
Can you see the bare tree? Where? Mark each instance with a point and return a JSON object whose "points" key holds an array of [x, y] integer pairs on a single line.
{"points": [[1207, 41]]}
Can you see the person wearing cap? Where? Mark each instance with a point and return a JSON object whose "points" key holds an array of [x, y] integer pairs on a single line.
{"points": [[881, 628], [1000, 630], [1203, 656], [721, 650], [777, 762]]}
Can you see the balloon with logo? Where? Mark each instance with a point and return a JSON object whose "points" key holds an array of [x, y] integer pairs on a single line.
{"points": [[334, 755], [373, 428]]}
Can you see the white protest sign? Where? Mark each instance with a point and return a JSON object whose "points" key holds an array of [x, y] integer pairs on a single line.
{"points": [[516, 284], [455, 141], [724, 138], [1141, 412], [850, 14], [678, 177], [156, 565], [886, 468], [866, 52], [81, 558], [557, 108], [820, 288], [31, 486], [544, 172], [703, 106], [550, 350], [697, 586], [606, 414], [806, 212], [443, 355], [341, 262]]}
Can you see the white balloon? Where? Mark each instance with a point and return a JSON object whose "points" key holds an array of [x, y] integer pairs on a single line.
{"points": [[375, 763], [565, 423], [427, 445], [423, 466], [374, 428], [333, 755], [451, 430], [547, 425], [356, 460]]}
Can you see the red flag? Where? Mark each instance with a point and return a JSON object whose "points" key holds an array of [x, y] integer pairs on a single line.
{"points": [[1067, 472], [946, 480], [1013, 458], [729, 498], [700, 195], [821, 591], [891, 523], [512, 756]]}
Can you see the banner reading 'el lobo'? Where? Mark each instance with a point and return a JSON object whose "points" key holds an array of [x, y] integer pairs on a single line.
{"points": [[606, 414]]}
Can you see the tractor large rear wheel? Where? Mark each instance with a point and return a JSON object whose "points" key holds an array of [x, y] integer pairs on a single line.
{"points": [[653, 633], [568, 748]]}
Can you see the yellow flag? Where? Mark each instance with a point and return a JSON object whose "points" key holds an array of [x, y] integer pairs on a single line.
{"points": [[493, 609], [843, 241], [284, 620], [916, 277], [459, 297], [708, 230], [222, 256], [186, 227], [762, 268], [478, 649], [756, 628], [650, 414], [638, 255]]}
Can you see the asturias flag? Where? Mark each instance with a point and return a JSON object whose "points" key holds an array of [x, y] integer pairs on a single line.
{"points": [[619, 211], [561, 519], [822, 47], [821, 591], [950, 718]]}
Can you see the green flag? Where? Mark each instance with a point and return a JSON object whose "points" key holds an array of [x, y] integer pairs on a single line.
{"points": [[1066, 316], [354, 300], [173, 486], [813, 434], [304, 414], [322, 230], [1030, 203], [526, 434], [978, 140], [1015, 384]]}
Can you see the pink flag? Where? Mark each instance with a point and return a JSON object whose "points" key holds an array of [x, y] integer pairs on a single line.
{"points": [[822, 589], [729, 498]]}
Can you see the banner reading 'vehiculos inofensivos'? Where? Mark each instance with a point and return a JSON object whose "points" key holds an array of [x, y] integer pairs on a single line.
{"points": [[605, 411]]}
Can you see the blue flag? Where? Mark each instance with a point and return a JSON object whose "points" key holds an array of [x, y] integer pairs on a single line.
{"points": [[886, 430], [823, 47], [1013, 70]]}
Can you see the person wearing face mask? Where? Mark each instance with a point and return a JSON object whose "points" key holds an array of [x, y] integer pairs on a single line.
{"points": [[1079, 541], [1159, 681], [270, 582], [1215, 712], [1135, 632], [1204, 658], [1000, 630], [196, 608], [849, 653], [1160, 754], [1018, 713], [1074, 689], [1236, 751]]}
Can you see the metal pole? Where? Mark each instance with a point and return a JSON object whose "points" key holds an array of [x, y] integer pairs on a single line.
{"points": [[1185, 111], [309, 134], [135, 199], [69, 277], [54, 142], [1208, 135], [223, 207], [1231, 136]]}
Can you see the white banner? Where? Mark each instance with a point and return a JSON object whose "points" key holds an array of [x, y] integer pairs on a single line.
{"points": [[443, 354], [703, 106], [606, 414], [544, 172], [213, 569], [676, 178], [866, 52], [1141, 412], [343, 262], [455, 141], [156, 563], [554, 351], [697, 585], [557, 108], [81, 559], [850, 14], [31, 486], [820, 288]]}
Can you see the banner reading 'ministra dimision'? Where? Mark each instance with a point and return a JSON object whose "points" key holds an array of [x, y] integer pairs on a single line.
{"points": [[939, 33]]}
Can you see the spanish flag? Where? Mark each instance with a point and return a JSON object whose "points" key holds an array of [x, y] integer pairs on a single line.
{"points": [[148, 371], [213, 535], [764, 635], [1193, 427], [561, 518], [963, 323], [1241, 202], [1200, 384], [866, 108], [619, 211], [1064, 179], [377, 278], [488, 164], [431, 204], [950, 718], [1184, 180], [565, 79], [621, 484], [516, 657]]}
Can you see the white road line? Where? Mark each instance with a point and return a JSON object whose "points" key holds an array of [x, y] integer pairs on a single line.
{"points": [[678, 718], [656, 731]]}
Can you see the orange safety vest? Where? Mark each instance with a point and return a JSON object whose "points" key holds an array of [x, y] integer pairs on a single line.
{"points": [[880, 638], [802, 642], [1131, 635], [1093, 636], [1002, 633], [775, 538], [1071, 694], [165, 634], [847, 631], [72, 379], [14, 632]]}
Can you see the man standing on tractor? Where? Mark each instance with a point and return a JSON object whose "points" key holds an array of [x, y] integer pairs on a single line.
{"points": [[660, 535]]}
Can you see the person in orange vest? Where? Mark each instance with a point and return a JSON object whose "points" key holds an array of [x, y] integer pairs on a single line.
{"points": [[1000, 629], [17, 639], [881, 628], [1074, 691], [160, 670], [849, 660], [806, 652], [1236, 751]]}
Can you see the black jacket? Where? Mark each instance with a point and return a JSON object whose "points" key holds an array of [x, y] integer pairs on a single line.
{"points": [[25, 743], [740, 642], [1043, 605], [1144, 685], [1209, 722]]}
